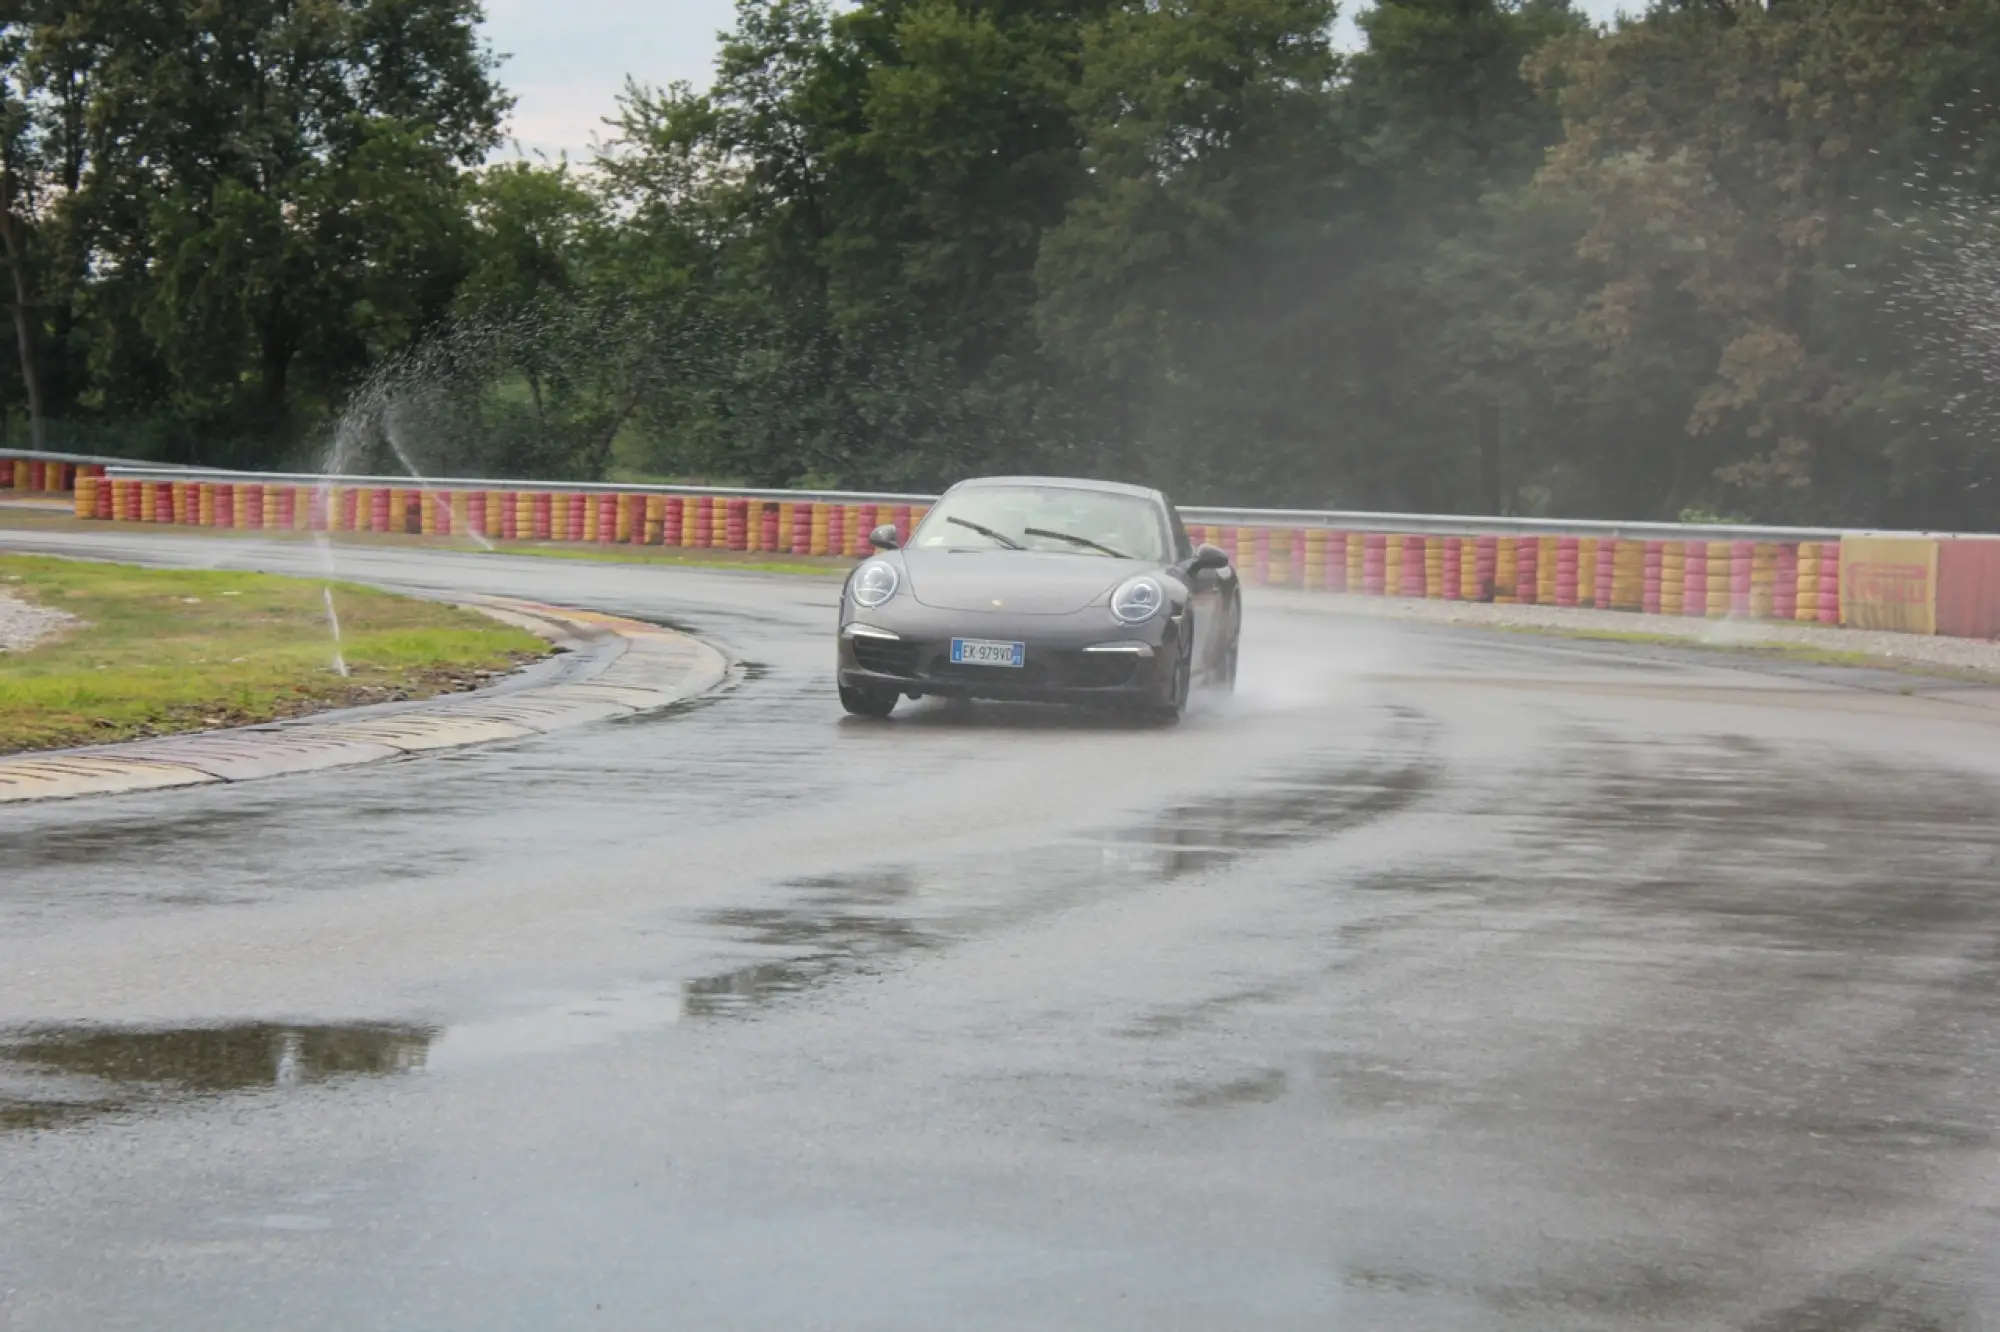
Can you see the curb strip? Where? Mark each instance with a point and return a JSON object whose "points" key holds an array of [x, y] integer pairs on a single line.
{"points": [[610, 667]]}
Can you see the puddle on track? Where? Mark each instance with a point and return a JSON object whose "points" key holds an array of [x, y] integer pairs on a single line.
{"points": [[50, 1076]]}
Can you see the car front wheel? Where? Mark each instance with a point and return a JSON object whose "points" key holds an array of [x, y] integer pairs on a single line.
{"points": [[862, 701], [1170, 708]]}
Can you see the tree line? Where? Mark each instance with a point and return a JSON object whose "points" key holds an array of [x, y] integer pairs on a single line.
{"points": [[1729, 258]]}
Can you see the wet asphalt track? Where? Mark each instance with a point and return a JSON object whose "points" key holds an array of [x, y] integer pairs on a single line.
{"points": [[1440, 980]]}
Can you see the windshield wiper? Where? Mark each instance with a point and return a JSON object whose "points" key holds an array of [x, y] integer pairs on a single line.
{"points": [[984, 531], [1075, 541]]}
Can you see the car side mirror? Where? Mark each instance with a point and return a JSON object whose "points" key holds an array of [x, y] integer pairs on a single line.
{"points": [[885, 537], [1209, 557]]}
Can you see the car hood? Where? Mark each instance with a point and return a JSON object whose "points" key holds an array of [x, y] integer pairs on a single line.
{"points": [[1025, 581]]}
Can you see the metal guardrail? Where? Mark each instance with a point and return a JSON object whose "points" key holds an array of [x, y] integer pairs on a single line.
{"points": [[1206, 515], [1474, 525], [148, 472], [9, 452]]}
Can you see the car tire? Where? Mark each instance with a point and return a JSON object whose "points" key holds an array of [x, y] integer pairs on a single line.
{"points": [[1169, 712], [861, 701]]}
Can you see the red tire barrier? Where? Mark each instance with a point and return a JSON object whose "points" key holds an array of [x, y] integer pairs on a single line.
{"points": [[1413, 566], [1526, 551], [1336, 561], [1741, 556], [1695, 602], [1566, 560], [736, 524], [704, 521], [1785, 590]]}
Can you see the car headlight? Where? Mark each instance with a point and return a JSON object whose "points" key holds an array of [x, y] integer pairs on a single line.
{"points": [[874, 583], [1138, 600]]}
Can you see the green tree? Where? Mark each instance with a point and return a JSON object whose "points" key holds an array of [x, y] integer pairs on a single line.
{"points": [[257, 197], [1739, 160]]}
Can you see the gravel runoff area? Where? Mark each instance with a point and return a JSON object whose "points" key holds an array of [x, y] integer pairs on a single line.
{"points": [[23, 624], [1913, 651]]}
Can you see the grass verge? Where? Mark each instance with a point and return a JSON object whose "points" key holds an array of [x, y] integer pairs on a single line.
{"points": [[164, 651]]}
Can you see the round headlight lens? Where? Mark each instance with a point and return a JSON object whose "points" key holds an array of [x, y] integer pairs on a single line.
{"points": [[874, 583], [1138, 600]]}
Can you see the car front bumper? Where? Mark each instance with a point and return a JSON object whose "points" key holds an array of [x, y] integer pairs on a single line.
{"points": [[1070, 659]]}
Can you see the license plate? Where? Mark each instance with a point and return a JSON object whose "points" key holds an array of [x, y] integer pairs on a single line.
{"points": [[986, 652]]}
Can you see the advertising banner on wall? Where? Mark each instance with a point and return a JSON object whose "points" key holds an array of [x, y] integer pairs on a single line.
{"points": [[1889, 583]]}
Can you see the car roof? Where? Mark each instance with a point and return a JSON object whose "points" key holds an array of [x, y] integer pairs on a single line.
{"points": [[1071, 482]]}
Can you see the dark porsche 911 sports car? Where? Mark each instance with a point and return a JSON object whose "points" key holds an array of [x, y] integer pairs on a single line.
{"points": [[1042, 589]]}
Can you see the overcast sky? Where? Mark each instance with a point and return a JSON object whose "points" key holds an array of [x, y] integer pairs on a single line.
{"points": [[567, 59]]}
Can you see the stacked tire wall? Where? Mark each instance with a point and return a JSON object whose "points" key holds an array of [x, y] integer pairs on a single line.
{"points": [[1904, 582]]}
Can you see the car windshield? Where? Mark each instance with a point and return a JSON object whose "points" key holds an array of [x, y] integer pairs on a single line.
{"points": [[1099, 523]]}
